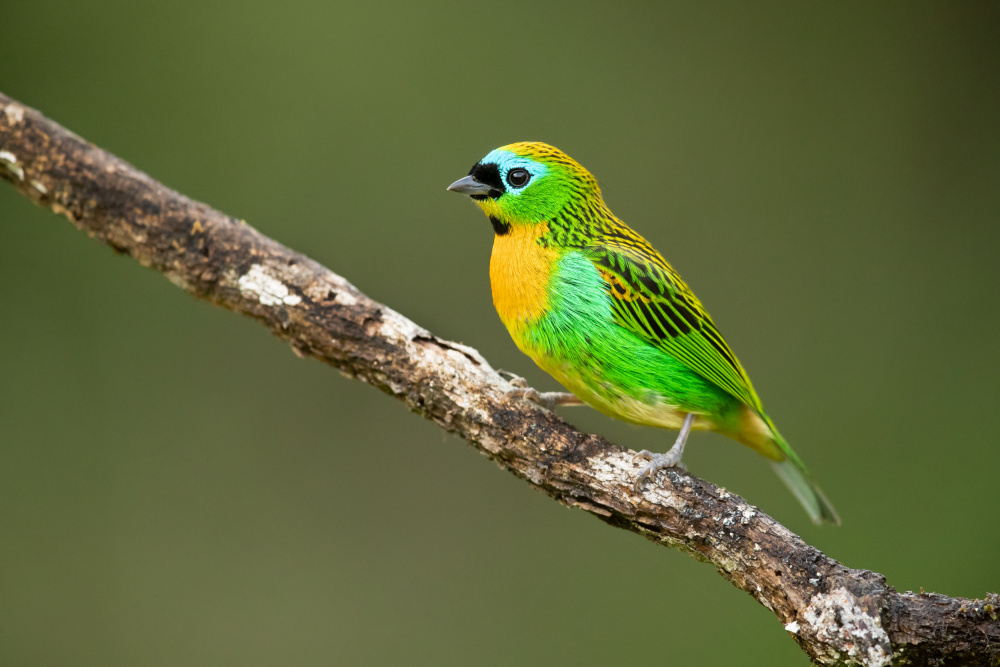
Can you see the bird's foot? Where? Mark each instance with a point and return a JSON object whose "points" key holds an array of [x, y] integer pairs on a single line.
{"points": [[513, 379], [671, 459], [546, 399], [657, 462]]}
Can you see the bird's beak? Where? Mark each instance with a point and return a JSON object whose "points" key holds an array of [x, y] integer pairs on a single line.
{"points": [[469, 186]]}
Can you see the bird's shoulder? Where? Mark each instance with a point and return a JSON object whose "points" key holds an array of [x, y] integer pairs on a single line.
{"points": [[633, 266]]}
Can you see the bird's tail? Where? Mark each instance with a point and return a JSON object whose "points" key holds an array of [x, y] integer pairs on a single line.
{"points": [[759, 433], [796, 478]]}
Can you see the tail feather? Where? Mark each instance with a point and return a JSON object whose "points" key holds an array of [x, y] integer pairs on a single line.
{"points": [[794, 474], [810, 495]]}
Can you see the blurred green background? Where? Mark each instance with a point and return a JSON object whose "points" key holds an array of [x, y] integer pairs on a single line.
{"points": [[177, 488]]}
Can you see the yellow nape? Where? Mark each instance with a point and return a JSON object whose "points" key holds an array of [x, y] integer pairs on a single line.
{"points": [[519, 274]]}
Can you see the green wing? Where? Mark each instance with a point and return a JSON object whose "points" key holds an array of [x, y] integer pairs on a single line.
{"points": [[652, 301]]}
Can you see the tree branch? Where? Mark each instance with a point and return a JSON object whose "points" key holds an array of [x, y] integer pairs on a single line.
{"points": [[836, 614]]}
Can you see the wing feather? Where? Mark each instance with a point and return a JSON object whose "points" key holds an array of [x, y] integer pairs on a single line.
{"points": [[652, 301]]}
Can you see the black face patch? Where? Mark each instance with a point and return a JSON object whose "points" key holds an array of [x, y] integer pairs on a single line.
{"points": [[488, 174]]}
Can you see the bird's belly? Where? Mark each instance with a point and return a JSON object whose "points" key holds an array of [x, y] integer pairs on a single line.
{"points": [[617, 400], [608, 391]]}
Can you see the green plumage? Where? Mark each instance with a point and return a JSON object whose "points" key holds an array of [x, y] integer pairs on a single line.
{"points": [[601, 359], [597, 307]]}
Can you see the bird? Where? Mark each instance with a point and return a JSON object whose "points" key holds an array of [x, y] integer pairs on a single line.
{"points": [[593, 304]]}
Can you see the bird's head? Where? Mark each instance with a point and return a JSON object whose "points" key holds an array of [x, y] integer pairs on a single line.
{"points": [[526, 183]]}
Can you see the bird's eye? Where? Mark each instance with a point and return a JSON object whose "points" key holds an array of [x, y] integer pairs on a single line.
{"points": [[518, 178]]}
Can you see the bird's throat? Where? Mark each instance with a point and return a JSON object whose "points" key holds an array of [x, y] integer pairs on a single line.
{"points": [[519, 274]]}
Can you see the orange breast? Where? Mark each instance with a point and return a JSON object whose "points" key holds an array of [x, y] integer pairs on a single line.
{"points": [[519, 274]]}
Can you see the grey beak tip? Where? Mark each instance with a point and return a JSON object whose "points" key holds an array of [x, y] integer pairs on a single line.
{"points": [[469, 186]]}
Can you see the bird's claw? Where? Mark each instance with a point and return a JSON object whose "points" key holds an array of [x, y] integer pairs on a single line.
{"points": [[657, 462], [546, 401], [513, 379], [644, 455], [521, 389]]}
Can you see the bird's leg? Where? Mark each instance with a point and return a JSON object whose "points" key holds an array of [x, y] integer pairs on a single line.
{"points": [[671, 459], [547, 399]]}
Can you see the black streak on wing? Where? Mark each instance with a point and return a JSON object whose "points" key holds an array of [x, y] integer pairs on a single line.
{"points": [[660, 327], [650, 283], [682, 317]]}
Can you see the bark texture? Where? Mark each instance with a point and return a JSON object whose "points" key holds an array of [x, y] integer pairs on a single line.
{"points": [[838, 615]]}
